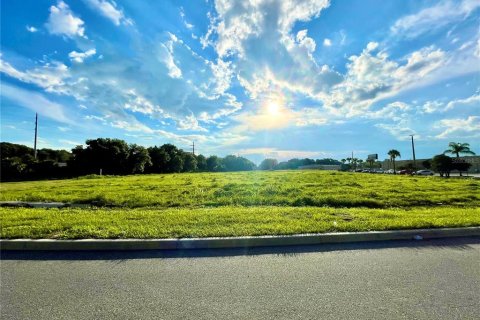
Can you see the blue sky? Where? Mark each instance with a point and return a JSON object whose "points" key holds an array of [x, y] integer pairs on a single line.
{"points": [[264, 78]]}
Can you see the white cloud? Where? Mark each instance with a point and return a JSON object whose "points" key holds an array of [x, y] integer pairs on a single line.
{"points": [[327, 42], [190, 123], [373, 76], [31, 29], [273, 113], [64, 129], [165, 55], [306, 42], [420, 63], [264, 44], [400, 129], [432, 18], [473, 101], [110, 10], [97, 118], [432, 106], [461, 128], [35, 102], [280, 154], [138, 103], [70, 142], [184, 20], [62, 21], [80, 56], [50, 76], [131, 125], [394, 111]]}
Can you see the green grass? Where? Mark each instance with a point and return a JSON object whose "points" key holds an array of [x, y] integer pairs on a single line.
{"points": [[221, 221], [243, 203], [277, 188]]}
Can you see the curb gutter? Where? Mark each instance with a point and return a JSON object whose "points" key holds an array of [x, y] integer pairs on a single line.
{"points": [[234, 242]]}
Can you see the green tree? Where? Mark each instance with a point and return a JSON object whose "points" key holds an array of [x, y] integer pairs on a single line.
{"points": [[457, 148], [268, 164], [393, 154], [213, 164], [138, 159], [442, 164], [190, 163], [201, 163], [110, 155], [159, 159], [427, 164]]}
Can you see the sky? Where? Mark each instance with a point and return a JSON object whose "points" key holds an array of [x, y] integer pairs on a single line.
{"points": [[258, 78]]}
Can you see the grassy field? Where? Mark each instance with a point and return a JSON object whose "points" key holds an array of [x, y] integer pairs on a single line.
{"points": [[243, 203]]}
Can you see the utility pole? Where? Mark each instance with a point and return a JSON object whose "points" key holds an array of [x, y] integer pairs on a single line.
{"points": [[35, 141], [413, 151], [193, 147], [353, 163]]}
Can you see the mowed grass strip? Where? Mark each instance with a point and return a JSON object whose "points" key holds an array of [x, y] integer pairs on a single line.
{"points": [[221, 221], [260, 188]]}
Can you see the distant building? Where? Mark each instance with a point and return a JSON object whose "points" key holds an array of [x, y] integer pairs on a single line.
{"points": [[473, 160], [320, 167]]}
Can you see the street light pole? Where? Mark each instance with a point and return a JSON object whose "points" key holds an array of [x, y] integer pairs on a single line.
{"points": [[413, 151]]}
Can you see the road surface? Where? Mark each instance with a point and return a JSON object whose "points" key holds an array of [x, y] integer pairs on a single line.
{"points": [[436, 279]]}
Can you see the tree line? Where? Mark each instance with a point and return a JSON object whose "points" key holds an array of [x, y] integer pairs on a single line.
{"points": [[117, 157]]}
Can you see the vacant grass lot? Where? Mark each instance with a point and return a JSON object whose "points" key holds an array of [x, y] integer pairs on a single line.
{"points": [[244, 203], [277, 188]]}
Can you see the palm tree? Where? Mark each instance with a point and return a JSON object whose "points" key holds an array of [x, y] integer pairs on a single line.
{"points": [[393, 154], [343, 161], [457, 148]]}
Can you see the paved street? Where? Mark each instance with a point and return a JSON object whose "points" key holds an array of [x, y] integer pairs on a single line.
{"points": [[391, 280]]}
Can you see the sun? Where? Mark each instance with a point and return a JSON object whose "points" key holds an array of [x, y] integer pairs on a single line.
{"points": [[273, 107]]}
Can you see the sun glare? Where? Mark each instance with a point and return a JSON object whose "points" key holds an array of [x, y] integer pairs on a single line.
{"points": [[273, 107]]}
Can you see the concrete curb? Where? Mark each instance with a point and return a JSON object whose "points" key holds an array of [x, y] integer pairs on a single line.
{"points": [[234, 242]]}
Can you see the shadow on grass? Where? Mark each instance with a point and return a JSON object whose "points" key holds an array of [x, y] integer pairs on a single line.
{"points": [[287, 251]]}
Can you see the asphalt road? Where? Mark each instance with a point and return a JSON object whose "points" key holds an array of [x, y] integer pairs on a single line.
{"points": [[436, 279]]}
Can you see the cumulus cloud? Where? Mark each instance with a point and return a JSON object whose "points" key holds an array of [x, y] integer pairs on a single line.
{"points": [[80, 56], [327, 42], [459, 128], [432, 106], [372, 76], [432, 18], [110, 10], [62, 21], [266, 50], [190, 123]]}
